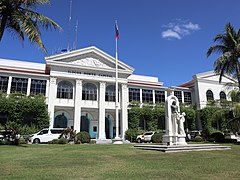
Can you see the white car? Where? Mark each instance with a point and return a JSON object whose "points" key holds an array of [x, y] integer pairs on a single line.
{"points": [[45, 135], [145, 137]]}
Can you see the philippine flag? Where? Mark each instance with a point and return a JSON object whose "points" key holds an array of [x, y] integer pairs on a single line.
{"points": [[116, 29]]}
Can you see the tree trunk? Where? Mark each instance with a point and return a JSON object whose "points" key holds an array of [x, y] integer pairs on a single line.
{"points": [[3, 24], [238, 75]]}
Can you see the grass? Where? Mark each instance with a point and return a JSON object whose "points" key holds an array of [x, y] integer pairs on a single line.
{"points": [[114, 162]]}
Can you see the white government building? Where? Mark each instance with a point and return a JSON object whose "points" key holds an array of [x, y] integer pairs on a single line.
{"points": [[80, 89]]}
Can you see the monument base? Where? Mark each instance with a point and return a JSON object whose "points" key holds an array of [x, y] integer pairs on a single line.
{"points": [[170, 140], [181, 140], [182, 148]]}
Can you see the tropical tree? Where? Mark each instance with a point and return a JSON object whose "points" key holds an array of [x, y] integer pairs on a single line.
{"points": [[18, 17], [228, 45]]}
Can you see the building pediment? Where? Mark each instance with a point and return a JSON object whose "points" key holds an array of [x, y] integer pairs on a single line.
{"points": [[90, 57], [211, 76], [91, 62]]}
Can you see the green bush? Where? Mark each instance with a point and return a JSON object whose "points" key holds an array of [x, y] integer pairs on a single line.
{"points": [[157, 137], [198, 139], [2, 142], [82, 137], [131, 135], [93, 142], [62, 140], [54, 141], [22, 140], [68, 134], [217, 137]]}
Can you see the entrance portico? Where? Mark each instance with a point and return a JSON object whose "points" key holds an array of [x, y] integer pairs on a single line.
{"points": [[84, 81]]}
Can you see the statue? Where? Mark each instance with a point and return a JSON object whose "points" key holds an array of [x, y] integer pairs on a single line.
{"points": [[181, 120], [174, 117], [175, 134]]}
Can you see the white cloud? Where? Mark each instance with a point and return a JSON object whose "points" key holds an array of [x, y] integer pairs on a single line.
{"points": [[179, 28], [192, 26], [170, 34]]}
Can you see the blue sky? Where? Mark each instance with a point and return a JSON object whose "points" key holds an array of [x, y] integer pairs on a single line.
{"points": [[163, 38]]}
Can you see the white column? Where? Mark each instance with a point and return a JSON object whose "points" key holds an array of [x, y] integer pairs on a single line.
{"points": [[101, 109], [166, 94], [9, 85], [124, 110], [153, 91], [47, 89], [182, 97], [51, 99], [141, 101], [77, 105], [29, 86]]}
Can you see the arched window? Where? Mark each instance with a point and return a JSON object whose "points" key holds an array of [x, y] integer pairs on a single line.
{"points": [[223, 95], [209, 95], [89, 92], [110, 93], [65, 90], [60, 121]]}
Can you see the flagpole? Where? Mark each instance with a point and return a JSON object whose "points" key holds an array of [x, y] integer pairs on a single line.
{"points": [[116, 86]]}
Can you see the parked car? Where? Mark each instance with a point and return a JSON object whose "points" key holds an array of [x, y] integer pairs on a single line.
{"points": [[195, 133], [9, 135], [145, 137], [45, 135]]}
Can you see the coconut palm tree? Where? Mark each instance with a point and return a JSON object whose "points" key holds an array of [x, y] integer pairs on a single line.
{"points": [[18, 17], [228, 45]]}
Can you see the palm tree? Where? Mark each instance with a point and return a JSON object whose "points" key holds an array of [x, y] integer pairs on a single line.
{"points": [[229, 48], [17, 16]]}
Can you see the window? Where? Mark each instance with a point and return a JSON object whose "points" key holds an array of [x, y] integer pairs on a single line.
{"points": [[45, 131], [19, 85], [159, 96], [178, 94], [65, 90], [89, 92], [110, 93], [94, 128], [134, 94], [38, 86], [223, 95], [3, 83], [209, 95], [147, 96], [60, 121], [187, 97]]}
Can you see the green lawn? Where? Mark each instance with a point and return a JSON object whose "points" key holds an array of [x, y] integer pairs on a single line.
{"points": [[114, 162]]}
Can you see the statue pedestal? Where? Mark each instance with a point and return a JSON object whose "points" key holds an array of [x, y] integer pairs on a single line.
{"points": [[181, 140], [170, 140]]}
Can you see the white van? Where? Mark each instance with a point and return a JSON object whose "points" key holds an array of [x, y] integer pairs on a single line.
{"points": [[44, 136]]}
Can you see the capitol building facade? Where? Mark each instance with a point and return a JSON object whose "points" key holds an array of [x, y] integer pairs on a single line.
{"points": [[79, 87]]}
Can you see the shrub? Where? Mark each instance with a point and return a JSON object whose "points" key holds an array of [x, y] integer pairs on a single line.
{"points": [[131, 135], [54, 141], [62, 140], [69, 134], [22, 140], [217, 137], [82, 137], [157, 137], [198, 139], [93, 142]]}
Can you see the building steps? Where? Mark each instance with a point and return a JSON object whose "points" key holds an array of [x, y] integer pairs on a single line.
{"points": [[182, 148]]}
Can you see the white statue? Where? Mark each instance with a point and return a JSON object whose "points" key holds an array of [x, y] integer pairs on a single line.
{"points": [[175, 134], [174, 117], [181, 120]]}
